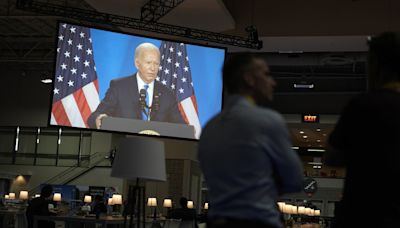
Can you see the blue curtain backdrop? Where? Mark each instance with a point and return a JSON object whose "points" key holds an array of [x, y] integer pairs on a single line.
{"points": [[114, 57]]}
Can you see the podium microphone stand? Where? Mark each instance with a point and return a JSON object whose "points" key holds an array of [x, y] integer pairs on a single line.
{"points": [[138, 158]]}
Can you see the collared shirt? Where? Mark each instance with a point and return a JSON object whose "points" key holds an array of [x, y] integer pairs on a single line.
{"points": [[246, 157], [150, 90]]}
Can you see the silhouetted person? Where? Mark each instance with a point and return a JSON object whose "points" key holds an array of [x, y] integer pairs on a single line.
{"points": [[366, 141], [40, 206], [245, 151], [99, 206]]}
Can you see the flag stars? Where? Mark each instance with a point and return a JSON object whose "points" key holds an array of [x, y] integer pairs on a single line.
{"points": [[60, 78], [175, 75], [191, 83], [64, 25], [162, 57], [183, 79], [164, 82], [86, 63], [72, 29], [160, 67], [83, 75], [79, 46], [181, 90], [179, 53], [73, 71], [58, 50], [82, 35], [60, 37], [69, 42], [89, 51], [166, 71], [187, 58], [158, 78], [171, 49], [56, 91], [94, 68], [90, 40], [67, 54], [181, 44], [70, 83], [186, 69], [169, 60], [173, 86], [76, 58], [64, 66], [177, 64]]}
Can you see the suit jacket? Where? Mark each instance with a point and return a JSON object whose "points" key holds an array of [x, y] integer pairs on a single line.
{"points": [[122, 100]]}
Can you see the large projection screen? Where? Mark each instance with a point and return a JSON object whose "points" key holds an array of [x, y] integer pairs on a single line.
{"points": [[96, 72]]}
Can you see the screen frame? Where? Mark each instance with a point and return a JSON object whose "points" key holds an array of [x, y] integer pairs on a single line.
{"points": [[99, 27]]}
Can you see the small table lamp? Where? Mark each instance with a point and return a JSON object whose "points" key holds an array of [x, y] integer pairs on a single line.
{"points": [[317, 212], [139, 158], [117, 202], [205, 206], [152, 202], [190, 204], [301, 210], [57, 197], [23, 195], [87, 200], [6, 196], [167, 204], [11, 195]]}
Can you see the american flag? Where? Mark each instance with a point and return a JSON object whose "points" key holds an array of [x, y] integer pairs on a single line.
{"points": [[175, 74], [75, 94]]}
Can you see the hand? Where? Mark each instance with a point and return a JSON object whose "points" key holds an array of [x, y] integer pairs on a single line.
{"points": [[98, 120]]}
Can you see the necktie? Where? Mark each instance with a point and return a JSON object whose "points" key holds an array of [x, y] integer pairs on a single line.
{"points": [[146, 111]]}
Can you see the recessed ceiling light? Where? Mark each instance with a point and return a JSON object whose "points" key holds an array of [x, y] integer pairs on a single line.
{"points": [[324, 134], [318, 129], [318, 140], [305, 136], [316, 150], [46, 81], [301, 132]]}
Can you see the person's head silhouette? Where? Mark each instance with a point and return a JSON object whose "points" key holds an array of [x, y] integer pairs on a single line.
{"points": [[183, 202]]}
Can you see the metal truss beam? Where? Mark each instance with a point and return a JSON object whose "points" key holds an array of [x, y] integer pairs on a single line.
{"points": [[116, 20], [153, 10]]}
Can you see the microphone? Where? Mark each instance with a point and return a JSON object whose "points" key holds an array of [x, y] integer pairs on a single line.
{"points": [[156, 103], [142, 99]]}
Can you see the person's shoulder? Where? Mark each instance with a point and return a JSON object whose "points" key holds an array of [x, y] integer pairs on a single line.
{"points": [[268, 114]]}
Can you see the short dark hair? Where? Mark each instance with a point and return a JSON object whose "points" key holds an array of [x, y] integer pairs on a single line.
{"points": [[183, 202], [384, 59], [233, 70], [46, 191]]}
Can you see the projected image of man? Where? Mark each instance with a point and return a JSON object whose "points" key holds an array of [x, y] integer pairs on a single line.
{"points": [[139, 96]]}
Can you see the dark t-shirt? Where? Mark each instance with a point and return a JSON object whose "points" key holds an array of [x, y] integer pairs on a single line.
{"points": [[367, 136], [39, 206]]}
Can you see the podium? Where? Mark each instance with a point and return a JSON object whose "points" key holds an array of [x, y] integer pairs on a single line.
{"points": [[147, 127]]}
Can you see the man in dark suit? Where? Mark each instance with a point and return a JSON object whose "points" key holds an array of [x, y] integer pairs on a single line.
{"points": [[139, 96], [40, 206]]}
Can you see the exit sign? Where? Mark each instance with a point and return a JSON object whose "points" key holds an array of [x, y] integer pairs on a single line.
{"points": [[310, 118]]}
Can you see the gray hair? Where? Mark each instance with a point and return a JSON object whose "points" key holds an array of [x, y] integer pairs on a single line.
{"points": [[145, 47]]}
